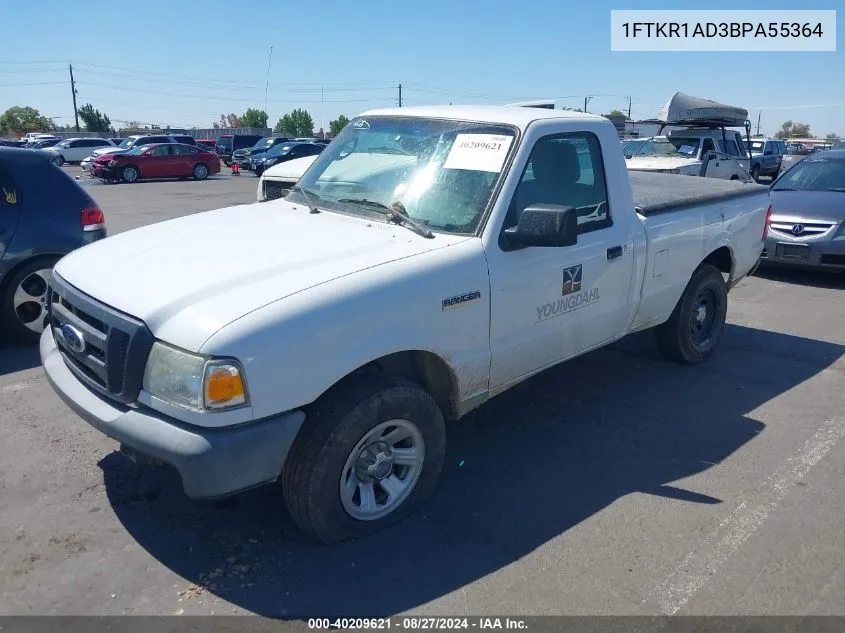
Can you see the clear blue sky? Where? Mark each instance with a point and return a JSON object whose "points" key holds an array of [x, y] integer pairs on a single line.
{"points": [[185, 63]]}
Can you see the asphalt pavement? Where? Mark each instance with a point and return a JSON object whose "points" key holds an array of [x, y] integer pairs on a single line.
{"points": [[617, 484]]}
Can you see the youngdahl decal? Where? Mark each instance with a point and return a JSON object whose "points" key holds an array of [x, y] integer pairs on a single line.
{"points": [[571, 280], [461, 300], [571, 302]]}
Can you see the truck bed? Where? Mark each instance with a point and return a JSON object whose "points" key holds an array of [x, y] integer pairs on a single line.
{"points": [[660, 193]]}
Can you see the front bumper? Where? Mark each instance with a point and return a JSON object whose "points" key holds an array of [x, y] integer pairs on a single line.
{"points": [[211, 462], [100, 170], [824, 253]]}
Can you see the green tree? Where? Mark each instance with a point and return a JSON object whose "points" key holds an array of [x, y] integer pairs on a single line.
{"points": [[21, 120], [337, 125], [615, 112], [94, 120], [297, 123], [253, 118], [790, 129], [832, 136]]}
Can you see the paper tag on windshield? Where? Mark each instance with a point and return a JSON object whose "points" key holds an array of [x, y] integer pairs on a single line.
{"points": [[478, 152]]}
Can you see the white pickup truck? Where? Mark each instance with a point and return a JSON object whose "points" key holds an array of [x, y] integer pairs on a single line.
{"points": [[428, 260]]}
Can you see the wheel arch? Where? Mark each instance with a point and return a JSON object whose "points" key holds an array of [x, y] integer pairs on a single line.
{"points": [[427, 369], [4, 281], [723, 259]]}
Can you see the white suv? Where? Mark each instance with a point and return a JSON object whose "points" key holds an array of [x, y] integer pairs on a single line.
{"points": [[75, 150]]}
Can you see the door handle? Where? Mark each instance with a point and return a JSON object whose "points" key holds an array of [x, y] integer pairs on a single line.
{"points": [[614, 251]]}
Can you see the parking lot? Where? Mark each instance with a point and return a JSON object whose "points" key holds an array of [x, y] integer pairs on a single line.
{"points": [[615, 484]]}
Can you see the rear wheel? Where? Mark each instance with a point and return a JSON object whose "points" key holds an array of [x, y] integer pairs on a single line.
{"points": [[130, 174], [24, 300], [693, 331], [370, 452], [755, 173], [200, 171], [60, 160]]}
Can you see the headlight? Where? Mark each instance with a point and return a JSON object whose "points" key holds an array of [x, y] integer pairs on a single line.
{"points": [[270, 161], [111, 163], [192, 381]]}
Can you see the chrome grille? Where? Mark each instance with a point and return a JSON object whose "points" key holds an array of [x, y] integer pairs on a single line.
{"points": [[273, 189], [114, 346], [801, 229]]}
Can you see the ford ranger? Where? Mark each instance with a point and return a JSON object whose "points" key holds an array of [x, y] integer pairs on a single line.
{"points": [[429, 259]]}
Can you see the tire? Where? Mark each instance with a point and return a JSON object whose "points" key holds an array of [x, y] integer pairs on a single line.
{"points": [[755, 173], [60, 160], [200, 171], [23, 301], [326, 454], [130, 174], [693, 330]]}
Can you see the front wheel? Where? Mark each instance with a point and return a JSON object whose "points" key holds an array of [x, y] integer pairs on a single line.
{"points": [[693, 331], [370, 452], [60, 160], [129, 174], [755, 173]]}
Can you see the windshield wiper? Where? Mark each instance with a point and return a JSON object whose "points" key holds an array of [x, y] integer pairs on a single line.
{"points": [[394, 213], [310, 197], [784, 189]]}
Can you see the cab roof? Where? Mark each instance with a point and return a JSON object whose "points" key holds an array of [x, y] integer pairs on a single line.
{"points": [[518, 116]]}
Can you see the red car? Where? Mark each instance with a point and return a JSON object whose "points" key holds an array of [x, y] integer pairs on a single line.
{"points": [[162, 160]]}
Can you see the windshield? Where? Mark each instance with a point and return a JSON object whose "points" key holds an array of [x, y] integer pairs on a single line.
{"points": [[442, 172], [225, 142], [127, 142], [62, 145], [756, 146], [663, 146], [814, 174], [137, 150], [263, 143], [279, 150]]}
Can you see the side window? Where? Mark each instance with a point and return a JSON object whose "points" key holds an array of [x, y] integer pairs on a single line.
{"points": [[161, 150], [183, 150], [10, 193], [565, 170], [729, 147], [707, 146]]}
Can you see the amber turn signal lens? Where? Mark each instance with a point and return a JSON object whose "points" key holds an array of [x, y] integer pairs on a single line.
{"points": [[224, 387]]}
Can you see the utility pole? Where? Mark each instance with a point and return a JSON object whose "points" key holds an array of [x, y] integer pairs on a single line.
{"points": [[759, 114], [629, 107], [400, 95], [587, 99], [73, 92], [267, 88]]}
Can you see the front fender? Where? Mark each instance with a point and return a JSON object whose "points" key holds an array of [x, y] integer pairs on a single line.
{"points": [[295, 349]]}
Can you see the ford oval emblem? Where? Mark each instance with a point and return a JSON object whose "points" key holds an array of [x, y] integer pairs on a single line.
{"points": [[74, 339]]}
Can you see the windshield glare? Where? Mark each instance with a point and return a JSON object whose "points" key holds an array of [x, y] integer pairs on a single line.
{"points": [[814, 174], [756, 146], [263, 143], [137, 150], [442, 172], [127, 142], [674, 146], [279, 150]]}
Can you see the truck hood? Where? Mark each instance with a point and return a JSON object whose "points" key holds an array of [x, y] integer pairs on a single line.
{"points": [[189, 277], [658, 163], [289, 170]]}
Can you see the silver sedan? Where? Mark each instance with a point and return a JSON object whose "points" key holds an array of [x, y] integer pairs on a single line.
{"points": [[807, 226]]}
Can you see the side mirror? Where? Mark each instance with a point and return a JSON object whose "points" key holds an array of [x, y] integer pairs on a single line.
{"points": [[544, 225]]}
